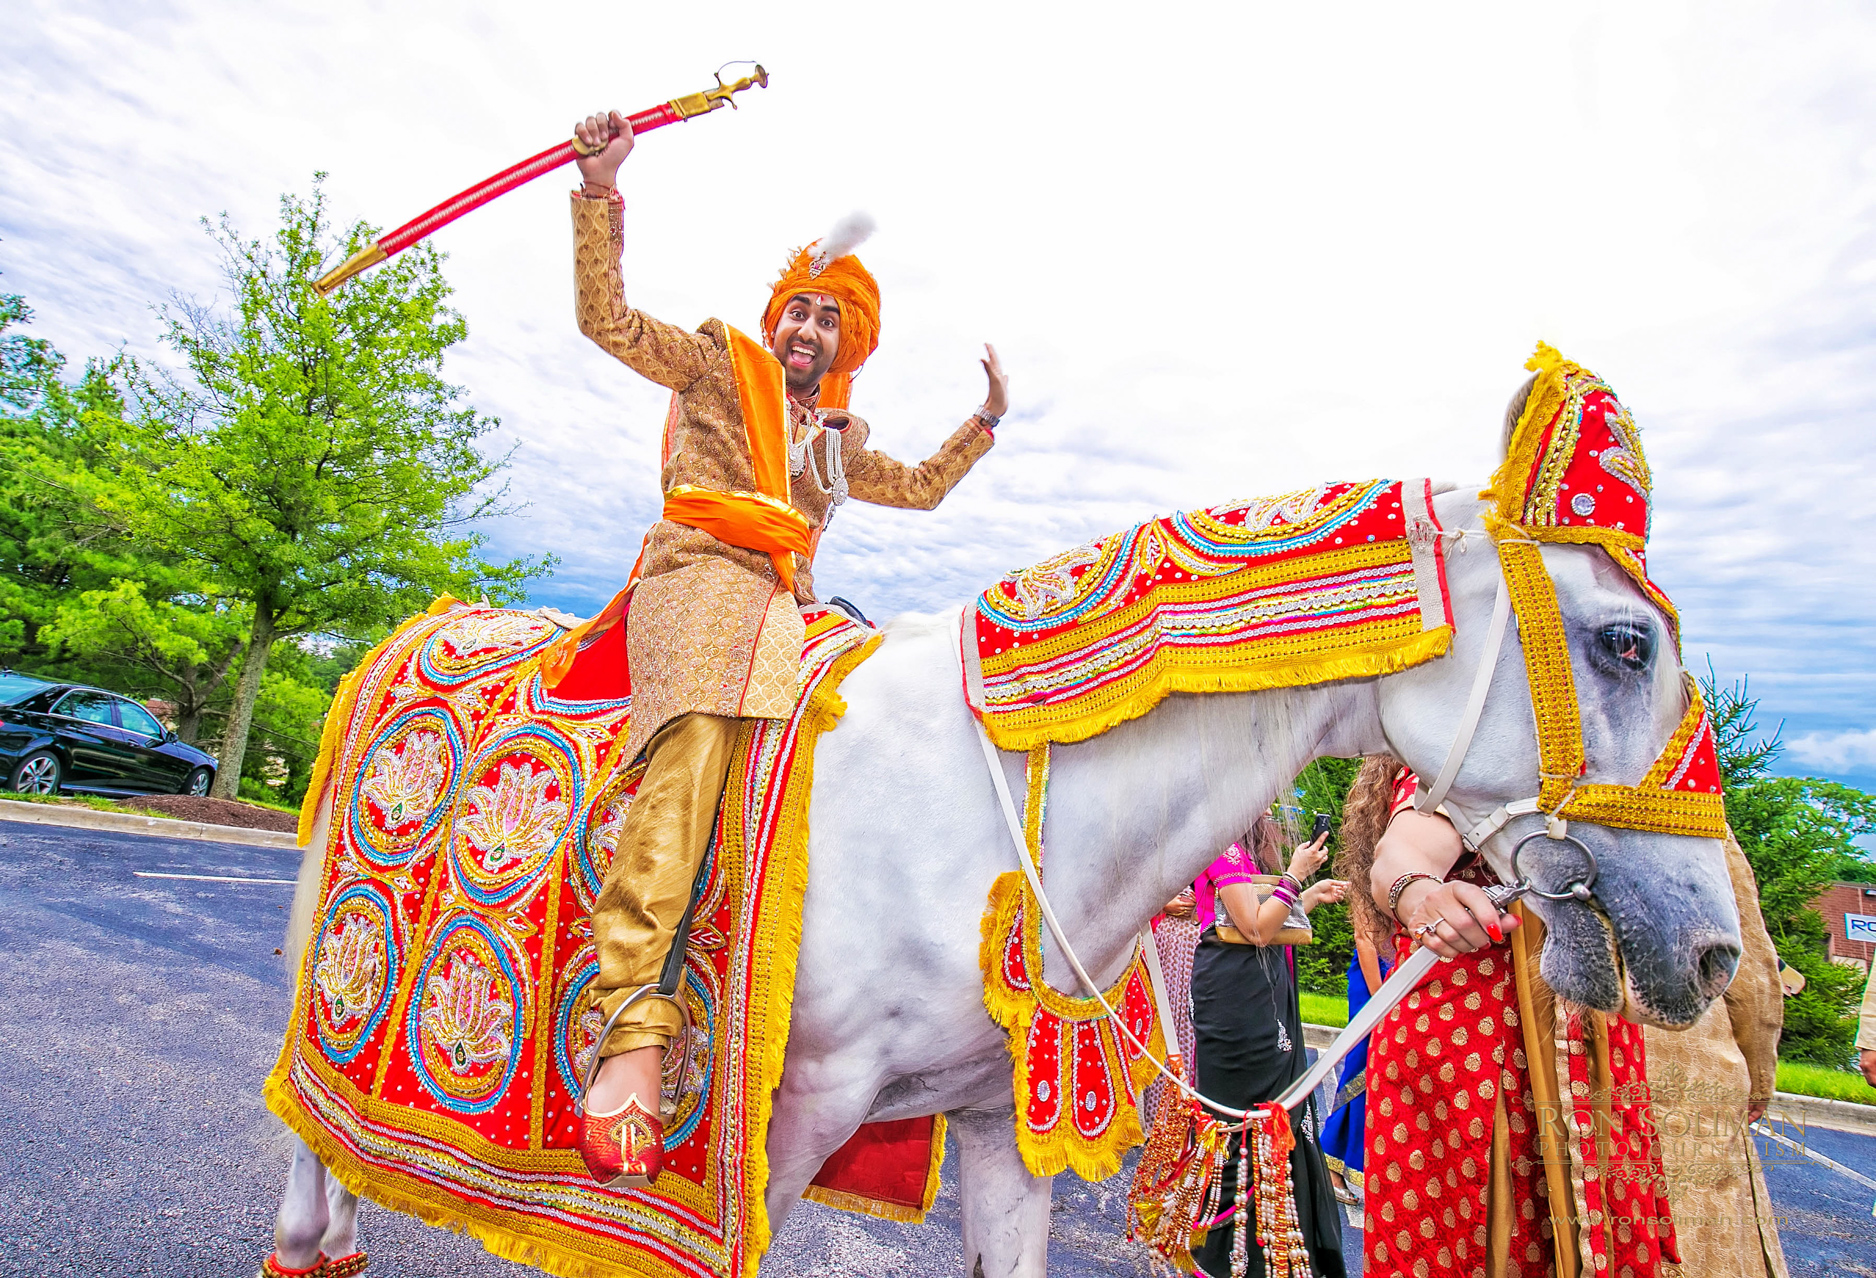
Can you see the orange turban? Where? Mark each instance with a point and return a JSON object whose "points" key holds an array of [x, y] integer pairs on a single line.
{"points": [[853, 286]]}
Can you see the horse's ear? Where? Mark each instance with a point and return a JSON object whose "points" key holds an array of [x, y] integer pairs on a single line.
{"points": [[1514, 412]]}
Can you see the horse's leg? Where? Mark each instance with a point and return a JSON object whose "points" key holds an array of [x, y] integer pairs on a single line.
{"points": [[806, 1126], [341, 1237], [1006, 1210], [303, 1217]]}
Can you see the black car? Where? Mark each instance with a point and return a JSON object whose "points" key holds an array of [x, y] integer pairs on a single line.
{"points": [[64, 736]]}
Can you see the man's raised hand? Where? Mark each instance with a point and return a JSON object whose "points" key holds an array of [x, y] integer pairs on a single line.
{"points": [[609, 137], [997, 400]]}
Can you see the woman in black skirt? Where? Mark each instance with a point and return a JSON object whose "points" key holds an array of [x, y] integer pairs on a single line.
{"points": [[1249, 1025]]}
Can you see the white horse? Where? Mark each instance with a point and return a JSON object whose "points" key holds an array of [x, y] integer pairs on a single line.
{"points": [[907, 837]]}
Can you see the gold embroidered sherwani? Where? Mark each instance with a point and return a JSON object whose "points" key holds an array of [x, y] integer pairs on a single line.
{"points": [[711, 635], [1702, 1079], [710, 629]]}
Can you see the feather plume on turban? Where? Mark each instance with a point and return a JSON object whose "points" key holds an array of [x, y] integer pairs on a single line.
{"points": [[828, 266]]}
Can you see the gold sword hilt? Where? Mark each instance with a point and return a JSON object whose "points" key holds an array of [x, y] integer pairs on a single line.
{"points": [[723, 95]]}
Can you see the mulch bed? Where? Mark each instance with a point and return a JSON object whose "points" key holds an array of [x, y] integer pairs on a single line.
{"points": [[244, 816]]}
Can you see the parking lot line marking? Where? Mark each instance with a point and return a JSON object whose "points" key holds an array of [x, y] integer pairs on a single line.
{"points": [[1814, 1156], [212, 878]]}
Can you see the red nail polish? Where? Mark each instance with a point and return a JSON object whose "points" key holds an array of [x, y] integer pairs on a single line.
{"points": [[1493, 931]]}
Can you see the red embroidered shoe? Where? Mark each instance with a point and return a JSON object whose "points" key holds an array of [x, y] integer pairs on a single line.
{"points": [[623, 1149]]}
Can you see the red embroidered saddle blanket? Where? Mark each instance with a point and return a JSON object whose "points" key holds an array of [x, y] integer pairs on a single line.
{"points": [[464, 820]]}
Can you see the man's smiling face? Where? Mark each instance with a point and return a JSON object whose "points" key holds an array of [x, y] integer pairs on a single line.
{"points": [[806, 338]]}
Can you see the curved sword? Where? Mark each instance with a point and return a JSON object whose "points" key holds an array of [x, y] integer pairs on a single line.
{"points": [[429, 222]]}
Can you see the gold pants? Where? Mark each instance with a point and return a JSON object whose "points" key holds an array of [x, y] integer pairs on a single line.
{"points": [[667, 832]]}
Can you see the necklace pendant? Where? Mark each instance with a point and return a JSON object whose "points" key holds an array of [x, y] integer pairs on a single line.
{"points": [[1283, 1038]]}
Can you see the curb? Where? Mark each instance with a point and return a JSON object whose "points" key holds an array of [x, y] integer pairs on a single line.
{"points": [[1821, 1111], [127, 823]]}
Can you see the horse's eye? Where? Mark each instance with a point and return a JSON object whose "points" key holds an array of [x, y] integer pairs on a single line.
{"points": [[1632, 645]]}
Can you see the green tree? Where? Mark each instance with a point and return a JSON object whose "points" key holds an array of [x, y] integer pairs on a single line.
{"points": [[54, 438], [184, 652], [1798, 833], [1322, 965], [309, 460]]}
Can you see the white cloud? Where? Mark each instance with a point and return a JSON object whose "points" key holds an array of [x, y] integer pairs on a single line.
{"points": [[1835, 751], [1230, 251]]}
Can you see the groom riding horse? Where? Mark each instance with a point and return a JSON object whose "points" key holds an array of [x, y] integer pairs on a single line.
{"points": [[712, 631]]}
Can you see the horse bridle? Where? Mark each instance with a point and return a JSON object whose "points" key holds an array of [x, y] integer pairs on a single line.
{"points": [[1525, 582]]}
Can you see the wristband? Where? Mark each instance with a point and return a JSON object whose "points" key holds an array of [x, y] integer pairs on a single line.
{"points": [[1283, 892], [1292, 880], [1400, 885], [990, 422]]}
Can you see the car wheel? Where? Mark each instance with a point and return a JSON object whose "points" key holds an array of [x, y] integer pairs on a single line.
{"points": [[37, 773], [198, 783]]}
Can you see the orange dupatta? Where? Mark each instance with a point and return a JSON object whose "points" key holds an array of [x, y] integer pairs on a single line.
{"points": [[762, 521]]}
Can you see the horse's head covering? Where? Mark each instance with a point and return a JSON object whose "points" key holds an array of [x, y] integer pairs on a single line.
{"points": [[1574, 470], [828, 266]]}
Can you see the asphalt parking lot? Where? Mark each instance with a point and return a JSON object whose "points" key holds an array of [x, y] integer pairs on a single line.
{"points": [[139, 1015]]}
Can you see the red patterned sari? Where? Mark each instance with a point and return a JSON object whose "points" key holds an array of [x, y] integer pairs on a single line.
{"points": [[1475, 1162]]}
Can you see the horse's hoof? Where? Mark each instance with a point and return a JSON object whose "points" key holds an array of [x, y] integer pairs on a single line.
{"points": [[623, 1149], [343, 1267]]}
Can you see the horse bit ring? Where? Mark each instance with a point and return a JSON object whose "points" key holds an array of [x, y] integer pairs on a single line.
{"points": [[1579, 890]]}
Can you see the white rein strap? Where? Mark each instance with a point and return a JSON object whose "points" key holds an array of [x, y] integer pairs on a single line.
{"points": [[1015, 825], [1475, 704]]}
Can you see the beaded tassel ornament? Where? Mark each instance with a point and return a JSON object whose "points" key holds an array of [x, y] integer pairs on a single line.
{"points": [[1279, 1231], [1175, 1185]]}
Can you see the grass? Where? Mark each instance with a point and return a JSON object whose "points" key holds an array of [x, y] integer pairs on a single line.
{"points": [[91, 801], [1325, 1009], [1819, 1080], [1798, 1077]]}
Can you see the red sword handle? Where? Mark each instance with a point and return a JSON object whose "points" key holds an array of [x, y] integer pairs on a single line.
{"points": [[429, 222]]}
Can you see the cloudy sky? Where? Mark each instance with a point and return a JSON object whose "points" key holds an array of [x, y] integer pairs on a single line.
{"points": [[1224, 249]]}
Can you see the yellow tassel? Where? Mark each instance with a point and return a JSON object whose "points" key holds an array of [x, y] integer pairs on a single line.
{"points": [[1544, 359]]}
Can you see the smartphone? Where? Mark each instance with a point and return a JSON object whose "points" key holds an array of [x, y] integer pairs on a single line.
{"points": [[1322, 826]]}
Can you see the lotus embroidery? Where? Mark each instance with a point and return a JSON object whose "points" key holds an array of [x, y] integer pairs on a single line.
{"points": [[513, 819], [489, 632], [350, 970], [1043, 587], [1262, 514], [405, 782], [465, 1018]]}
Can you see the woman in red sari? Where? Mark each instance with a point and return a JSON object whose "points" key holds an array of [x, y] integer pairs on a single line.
{"points": [[1498, 1122]]}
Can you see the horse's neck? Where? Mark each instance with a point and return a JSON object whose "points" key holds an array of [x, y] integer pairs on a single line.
{"points": [[1136, 813]]}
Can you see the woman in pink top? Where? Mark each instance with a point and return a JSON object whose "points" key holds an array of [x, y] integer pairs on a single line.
{"points": [[1248, 1024]]}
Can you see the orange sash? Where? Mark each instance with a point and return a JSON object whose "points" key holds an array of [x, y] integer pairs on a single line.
{"points": [[762, 521]]}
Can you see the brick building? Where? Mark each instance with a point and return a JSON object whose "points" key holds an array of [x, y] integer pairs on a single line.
{"points": [[1845, 907]]}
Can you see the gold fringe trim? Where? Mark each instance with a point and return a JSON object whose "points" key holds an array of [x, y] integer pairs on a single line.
{"points": [[1382, 658], [823, 712], [339, 714], [498, 1240], [1062, 1149], [880, 1209]]}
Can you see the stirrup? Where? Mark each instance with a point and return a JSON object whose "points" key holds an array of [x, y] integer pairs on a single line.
{"points": [[667, 989], [592, 1068]]}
